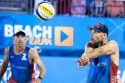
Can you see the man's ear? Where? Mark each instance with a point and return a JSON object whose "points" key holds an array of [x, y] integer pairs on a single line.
{"points": [[104, 35], [13, 40], [26, 38]]}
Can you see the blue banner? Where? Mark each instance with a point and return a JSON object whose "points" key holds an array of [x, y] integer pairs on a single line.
{"points": [[61, 36], [60, 33]]}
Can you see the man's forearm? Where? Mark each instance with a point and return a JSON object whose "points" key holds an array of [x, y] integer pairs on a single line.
{"points": [[93, 54], [42, 73], [3, 69], [99, 52]]}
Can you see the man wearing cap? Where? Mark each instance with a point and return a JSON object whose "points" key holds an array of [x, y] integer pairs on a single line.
{"points": [[102, 55], [22, 59]]}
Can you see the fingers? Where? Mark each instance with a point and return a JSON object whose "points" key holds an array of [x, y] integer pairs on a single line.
{"points": [[83, 61], [77, 60], [80, 64]]}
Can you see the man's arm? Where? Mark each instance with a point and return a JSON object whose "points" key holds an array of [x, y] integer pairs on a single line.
{"points": [[5, 63], [38, 62], [88, 48], [83, 60], [108, 49]]}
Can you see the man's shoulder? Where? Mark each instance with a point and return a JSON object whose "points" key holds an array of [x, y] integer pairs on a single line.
{"points": [[31, 50], [7, 48], [28, 46], [6, 51], [112, 42]]}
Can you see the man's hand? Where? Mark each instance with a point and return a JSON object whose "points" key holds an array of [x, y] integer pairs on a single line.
{"points": [[83, 61], [38, 80]]}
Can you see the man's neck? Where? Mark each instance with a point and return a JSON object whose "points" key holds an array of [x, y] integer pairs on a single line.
{"points": [[101, 43], [18, 49], [105, 41], [98, 44]]}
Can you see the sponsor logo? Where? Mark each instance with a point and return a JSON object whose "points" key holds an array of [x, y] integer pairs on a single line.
{"points": [[63, 36], [24, 57], [42, 35]]}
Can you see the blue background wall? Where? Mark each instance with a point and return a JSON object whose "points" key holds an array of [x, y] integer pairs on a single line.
{"points": [[60, 60]]}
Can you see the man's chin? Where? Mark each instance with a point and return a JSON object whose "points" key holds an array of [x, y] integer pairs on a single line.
{"points": [[92, 42], [21, 45]]}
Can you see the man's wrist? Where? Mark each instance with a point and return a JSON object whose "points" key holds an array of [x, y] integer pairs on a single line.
{"points": [[85, 57], [40, 78]]}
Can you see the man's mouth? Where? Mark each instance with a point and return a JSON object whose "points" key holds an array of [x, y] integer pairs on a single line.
{"points": [[20, 42], [92, 39]]}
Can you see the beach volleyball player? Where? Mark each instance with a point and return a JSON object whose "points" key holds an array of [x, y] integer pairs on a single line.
{"points": [[22, 59], [102, 55]]}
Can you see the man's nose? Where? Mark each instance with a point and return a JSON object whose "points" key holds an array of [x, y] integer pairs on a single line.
{"points": [[20, 39]]}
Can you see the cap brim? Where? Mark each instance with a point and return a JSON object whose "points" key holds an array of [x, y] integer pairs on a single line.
{"points": [[90, 28]]}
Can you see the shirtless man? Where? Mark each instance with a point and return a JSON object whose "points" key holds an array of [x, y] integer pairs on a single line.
{"points": [[102, 55], [22, 59]]}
